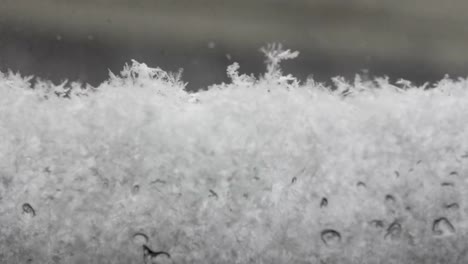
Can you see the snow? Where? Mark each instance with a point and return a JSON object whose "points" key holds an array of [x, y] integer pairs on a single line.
{"points": [[233, 174]]}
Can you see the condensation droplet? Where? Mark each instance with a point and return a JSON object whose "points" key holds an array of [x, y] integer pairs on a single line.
{"points": [[154, 257], [442, 227], [140, 239], [361, 185], [447, 184], [453, 206], [390, 203], [377, 223], [135, 189], [389, 198], [330, 237], [393, 231], [105, 183], [324, 202], [28, 210], [213, 194]]}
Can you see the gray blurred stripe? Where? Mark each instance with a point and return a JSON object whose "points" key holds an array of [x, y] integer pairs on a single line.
{"points": [[431, 31], [422, 32]]}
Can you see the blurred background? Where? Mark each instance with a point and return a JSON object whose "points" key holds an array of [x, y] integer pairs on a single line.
{"points": [[79, 40]]}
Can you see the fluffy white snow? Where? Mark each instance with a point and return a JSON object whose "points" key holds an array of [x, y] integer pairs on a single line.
{"points": [[235, 174]]}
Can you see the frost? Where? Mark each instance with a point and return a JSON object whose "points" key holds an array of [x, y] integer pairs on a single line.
{"points": [[274, 54], [239, 80], [254, 171], [140, 75]]}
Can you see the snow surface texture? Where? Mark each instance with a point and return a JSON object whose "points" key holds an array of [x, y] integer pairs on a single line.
{"points": [[261, 170]]}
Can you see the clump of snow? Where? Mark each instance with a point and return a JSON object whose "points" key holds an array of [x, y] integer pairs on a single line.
{"points": [[235, 174]]}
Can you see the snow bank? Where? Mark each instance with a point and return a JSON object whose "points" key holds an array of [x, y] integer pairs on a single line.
{"points": [[260, 170]]}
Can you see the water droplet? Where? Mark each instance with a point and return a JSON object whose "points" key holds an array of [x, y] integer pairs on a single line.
{"points": [[213, 194], [28, 210], [151, 256], [158, 181], [442, 227], [6, 181], [140, 239], [105, 183], [377, 223], [393, 231], [324, 202], [135, 189], [453, 206], [330, 237], [389, 198], [361, 185], [447, 184]]}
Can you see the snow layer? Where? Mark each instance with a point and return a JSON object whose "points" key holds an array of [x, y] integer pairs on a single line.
{"points": [[260, 170]]}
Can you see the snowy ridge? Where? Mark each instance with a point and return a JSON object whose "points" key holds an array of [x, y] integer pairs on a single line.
{"points": [[260, 170]]}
